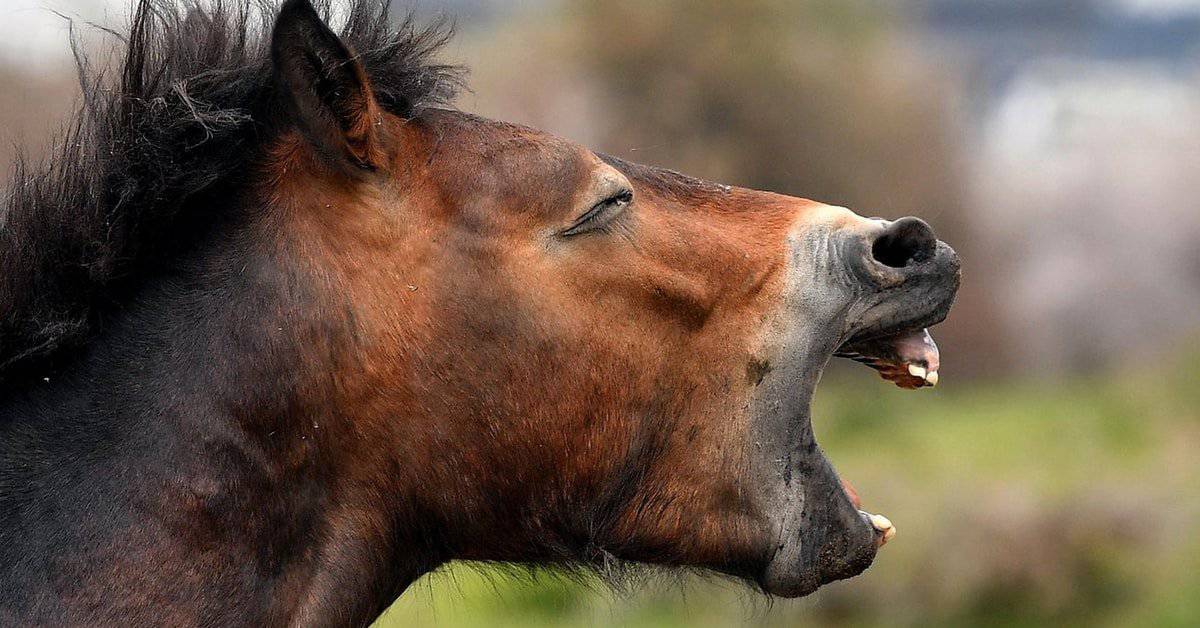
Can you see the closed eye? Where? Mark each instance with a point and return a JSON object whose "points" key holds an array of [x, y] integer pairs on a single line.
{"points": [[601, 213]]}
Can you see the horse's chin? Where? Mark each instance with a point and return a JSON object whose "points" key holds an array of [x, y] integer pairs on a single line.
{"points": [[787, 576]]}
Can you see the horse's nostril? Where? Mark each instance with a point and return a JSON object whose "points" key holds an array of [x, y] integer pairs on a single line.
{"points": [[904, 241]]}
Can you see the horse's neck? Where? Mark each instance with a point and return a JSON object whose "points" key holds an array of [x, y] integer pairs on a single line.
{"points": [[175, 466]]}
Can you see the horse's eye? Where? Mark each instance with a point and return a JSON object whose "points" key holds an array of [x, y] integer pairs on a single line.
{"points": [[601, 213]]}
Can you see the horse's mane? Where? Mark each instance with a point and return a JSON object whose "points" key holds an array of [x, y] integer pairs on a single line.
{"points": [[180, 113]]}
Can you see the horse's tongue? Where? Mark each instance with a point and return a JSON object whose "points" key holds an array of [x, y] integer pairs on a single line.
{"points": [[909, 359]]}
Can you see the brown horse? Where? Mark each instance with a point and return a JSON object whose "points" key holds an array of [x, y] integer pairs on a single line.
{"points": [[279, 334]]}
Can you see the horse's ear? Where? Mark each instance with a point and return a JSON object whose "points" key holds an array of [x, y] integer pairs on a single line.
{"points": [[327, 87]]}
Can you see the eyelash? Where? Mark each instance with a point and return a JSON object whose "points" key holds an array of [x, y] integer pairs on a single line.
{"points": [[600, 214]]}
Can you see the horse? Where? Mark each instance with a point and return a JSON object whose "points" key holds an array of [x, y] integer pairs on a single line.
{"points": [[281, 331]]}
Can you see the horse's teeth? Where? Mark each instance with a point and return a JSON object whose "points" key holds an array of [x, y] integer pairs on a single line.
{"points": [[932, 378], [916, 371], [884, 525]]}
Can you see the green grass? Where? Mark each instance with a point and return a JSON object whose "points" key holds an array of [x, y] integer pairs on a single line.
{"points": [[1071, 502]]}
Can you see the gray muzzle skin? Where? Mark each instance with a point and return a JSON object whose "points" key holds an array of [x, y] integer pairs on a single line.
{"points": [[851, 280]]}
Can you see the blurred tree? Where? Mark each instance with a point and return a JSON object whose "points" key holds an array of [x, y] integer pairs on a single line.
{"points": [[806, 98], [33, 105]]}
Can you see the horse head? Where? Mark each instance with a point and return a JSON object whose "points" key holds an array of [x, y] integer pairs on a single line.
{"points": [[280, 333], [583, 358]]}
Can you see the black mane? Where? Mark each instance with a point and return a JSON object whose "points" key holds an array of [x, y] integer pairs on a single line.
{"points": [[182, 113]]}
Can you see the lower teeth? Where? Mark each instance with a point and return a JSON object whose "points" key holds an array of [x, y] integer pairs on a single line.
{"points": [[881, 524]]}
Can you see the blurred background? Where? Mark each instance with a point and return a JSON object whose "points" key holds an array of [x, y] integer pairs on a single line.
{"points": [[1054, 476]]}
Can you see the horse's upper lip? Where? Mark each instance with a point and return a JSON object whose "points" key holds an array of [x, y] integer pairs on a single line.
{"points": [[910, 359], [903, 353], [898, 344]]}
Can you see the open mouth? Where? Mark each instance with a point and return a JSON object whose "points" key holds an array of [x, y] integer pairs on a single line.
{"points": [[908, 359], [909, 283]]}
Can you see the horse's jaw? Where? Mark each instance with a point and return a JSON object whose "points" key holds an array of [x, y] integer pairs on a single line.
{"points": [[816, 532]]}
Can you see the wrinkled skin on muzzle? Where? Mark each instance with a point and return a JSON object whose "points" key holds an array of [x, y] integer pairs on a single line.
{"points": [[852, 285]]}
